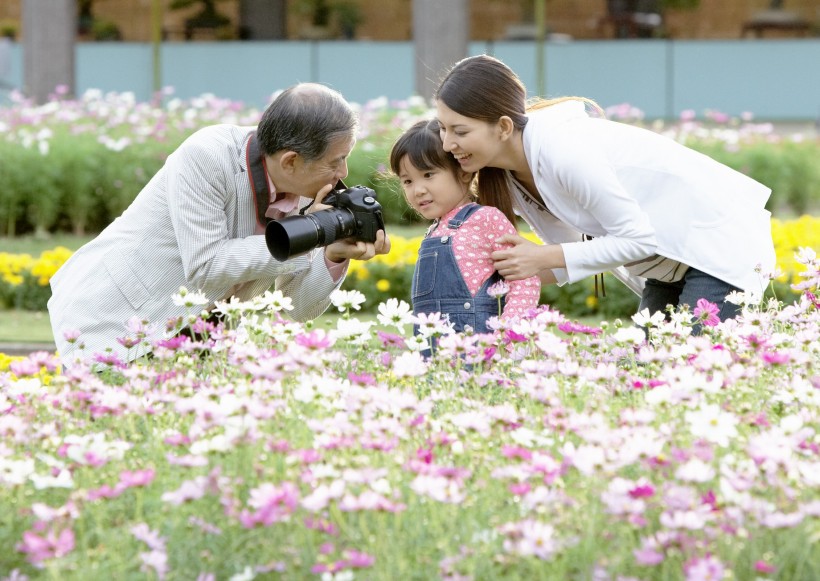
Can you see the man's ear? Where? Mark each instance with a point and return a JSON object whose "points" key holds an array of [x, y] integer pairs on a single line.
{"points": [[288, 161], [506, 127]]}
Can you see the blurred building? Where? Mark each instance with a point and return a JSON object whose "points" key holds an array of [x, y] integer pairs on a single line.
{"points": [[385, 20]]}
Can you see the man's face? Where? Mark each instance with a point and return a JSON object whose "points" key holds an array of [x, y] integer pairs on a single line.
{"points": [[312, 176]]}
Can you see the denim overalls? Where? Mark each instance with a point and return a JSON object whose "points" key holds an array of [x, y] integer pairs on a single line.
{"points": [[438, 286]]}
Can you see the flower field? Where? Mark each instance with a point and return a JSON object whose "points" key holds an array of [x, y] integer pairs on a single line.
{"points": [[546, 450]]}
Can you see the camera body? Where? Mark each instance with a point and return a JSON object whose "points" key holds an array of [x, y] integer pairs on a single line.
{"points": [[355, 214]]}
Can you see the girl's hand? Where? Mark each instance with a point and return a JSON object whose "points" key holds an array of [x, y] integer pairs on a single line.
{"points": [[523, 258]]}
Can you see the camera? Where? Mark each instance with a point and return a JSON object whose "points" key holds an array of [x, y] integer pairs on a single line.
{"points": [[355, 213]]}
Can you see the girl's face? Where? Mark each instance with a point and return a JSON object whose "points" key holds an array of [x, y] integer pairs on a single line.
{"points": [[474, 143], [433, 192]]}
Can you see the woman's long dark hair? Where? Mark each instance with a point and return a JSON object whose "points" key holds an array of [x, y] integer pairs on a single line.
{"points": [[484, 88]]}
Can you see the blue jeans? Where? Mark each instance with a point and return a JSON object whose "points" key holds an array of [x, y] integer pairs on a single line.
{"points": [[693, 286]]}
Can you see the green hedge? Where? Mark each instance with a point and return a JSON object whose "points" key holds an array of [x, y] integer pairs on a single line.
{"points": [[74, 166]]}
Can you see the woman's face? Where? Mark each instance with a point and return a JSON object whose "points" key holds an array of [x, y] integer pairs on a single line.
{"points": [[474, 143]]}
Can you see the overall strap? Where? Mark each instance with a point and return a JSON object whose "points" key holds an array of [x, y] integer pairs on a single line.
{"points": [[465, 212], [258, 178]]}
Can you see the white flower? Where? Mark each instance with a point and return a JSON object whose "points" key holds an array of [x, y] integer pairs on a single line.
{"points": [[347, 300], [63, 479], [713, 424], [627, 335], [231, 308], [396, 313], [274, 301], [245, 575], [741, 298], [409, 364], [695, 470], [645, 319], [188, 299], [431, 324], [15, 472], [354, 330]]}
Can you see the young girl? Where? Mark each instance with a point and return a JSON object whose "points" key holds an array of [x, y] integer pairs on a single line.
{"points": [[674, 224], [454, 267]]}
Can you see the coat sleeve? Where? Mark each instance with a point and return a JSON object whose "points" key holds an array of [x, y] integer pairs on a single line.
{"points": [[584, 181], [200, 180]]}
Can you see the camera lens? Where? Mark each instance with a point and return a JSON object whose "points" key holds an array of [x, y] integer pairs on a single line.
{"points": [[298, 234]]}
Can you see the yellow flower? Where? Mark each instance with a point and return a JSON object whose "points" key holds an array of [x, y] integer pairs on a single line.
{"points": [[591, 302], [6, 360], [48, 263], [383, 285]]}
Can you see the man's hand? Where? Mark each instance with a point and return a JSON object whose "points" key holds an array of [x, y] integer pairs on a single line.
{"points": [[317, 204], [524, 258], [350, 248]]}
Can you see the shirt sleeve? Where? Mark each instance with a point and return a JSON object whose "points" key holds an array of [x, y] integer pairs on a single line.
{"points": [[523, 294]]}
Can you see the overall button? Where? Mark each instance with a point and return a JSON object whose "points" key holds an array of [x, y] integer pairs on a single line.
{"points": [[466, 305], [444, 239]]}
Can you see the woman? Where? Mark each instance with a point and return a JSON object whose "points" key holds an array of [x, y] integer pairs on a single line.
{"points": [[673, 224]]}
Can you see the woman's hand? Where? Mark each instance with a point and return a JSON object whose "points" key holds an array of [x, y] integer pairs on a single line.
{"points": [[524, 259]]}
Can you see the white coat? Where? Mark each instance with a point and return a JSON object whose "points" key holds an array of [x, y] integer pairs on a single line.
{"points": [[638, 193], [193, 226]]}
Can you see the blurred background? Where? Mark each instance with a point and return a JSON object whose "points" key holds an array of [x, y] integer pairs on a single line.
{"points": [[663, 56]]}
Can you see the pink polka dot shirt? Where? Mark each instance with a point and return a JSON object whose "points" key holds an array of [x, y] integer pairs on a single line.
{"points": [[474, 242]]}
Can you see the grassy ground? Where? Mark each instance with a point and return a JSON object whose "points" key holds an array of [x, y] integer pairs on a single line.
{"points": [[25, 327], [34, 245]]}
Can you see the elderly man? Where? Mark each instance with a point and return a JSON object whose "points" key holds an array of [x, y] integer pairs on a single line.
{"points": [[200, 221]]}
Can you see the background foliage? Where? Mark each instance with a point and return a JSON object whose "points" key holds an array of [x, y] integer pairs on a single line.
{"points": [[74, 165]]}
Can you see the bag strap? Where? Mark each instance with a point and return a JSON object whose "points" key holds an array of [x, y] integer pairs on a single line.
{"points": [[258, 178]]}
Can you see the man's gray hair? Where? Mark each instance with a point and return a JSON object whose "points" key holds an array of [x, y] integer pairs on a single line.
{"points": [[306, 118]]}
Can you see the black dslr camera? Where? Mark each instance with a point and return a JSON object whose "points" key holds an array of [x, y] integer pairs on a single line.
{"points": [[355, 213]]}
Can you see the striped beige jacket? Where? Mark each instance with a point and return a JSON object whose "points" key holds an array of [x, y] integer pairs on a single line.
{"points": [[193, 226]]}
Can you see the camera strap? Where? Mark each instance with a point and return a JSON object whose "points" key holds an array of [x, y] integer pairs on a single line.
{"points": [[258, 179]]}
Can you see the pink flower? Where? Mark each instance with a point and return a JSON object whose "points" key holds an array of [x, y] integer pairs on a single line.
{"points": [[708, 568], [24, 368], [570, 327], [775, 357], [391, 340], [764, 567], [71, 335], [137, 477], [273, 504], [316, 340], [707, 313], [498, 289], [52, 545], [642, 491], [647, 557]]}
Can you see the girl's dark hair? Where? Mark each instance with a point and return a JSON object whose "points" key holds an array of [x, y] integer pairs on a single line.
{"points": [[423, 148], [484, 88], [306, 118]]}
